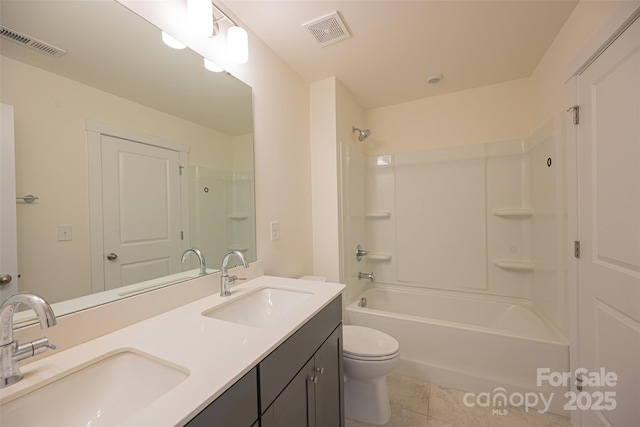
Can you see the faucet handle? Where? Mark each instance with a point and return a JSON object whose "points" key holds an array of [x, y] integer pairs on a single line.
{"points": [[33, 348], [232, 279]]}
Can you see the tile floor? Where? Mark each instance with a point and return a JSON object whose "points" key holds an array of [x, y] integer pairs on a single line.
{"points": [[417, 403]]}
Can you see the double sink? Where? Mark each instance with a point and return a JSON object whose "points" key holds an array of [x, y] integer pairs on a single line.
{"points": [[109, 389]]}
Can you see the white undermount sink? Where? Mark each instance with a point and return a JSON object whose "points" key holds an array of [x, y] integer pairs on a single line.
{"points": [[259, 307], [105, 393]]}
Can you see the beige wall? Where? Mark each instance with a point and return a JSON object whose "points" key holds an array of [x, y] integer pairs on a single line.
{"points": [[549, 94], [283, 161], [324, 179], [333, 113], [489, 113], [51, 163]]}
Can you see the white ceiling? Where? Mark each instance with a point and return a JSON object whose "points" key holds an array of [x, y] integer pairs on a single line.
{"points": [[397, 44]]}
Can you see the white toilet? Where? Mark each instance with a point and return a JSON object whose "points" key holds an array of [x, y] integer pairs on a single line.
{"points": [[369, 355]]}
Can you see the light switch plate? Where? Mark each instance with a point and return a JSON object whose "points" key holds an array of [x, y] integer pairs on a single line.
{"points": [[275, 230]]}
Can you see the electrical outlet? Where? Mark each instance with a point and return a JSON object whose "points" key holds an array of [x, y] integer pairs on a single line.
{"points": [[275, 230]]}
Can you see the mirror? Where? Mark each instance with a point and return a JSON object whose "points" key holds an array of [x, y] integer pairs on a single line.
{"points": [[118, 79]]}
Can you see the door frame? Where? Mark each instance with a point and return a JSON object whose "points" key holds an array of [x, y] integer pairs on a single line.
{"points": [[95, 130], [619, 21]]}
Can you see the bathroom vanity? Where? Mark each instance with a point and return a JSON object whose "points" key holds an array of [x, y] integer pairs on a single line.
{"points": [[270, 354], [298, 384]]}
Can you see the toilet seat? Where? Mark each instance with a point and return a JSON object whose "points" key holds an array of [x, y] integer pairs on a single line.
{"points": [[369, 358], [362, 343]]}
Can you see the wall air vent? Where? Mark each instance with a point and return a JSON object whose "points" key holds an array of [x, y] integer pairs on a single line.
{"points": [[328, 29], [33, 43]]}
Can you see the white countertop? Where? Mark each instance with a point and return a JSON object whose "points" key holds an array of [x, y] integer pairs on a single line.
{"points": [[215, 353]]}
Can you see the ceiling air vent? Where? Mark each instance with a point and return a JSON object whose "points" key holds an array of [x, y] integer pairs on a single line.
{"points": [[33, 43], [328, 30]]}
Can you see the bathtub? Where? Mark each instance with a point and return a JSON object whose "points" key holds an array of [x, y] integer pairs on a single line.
{"points": [[474, 342]]}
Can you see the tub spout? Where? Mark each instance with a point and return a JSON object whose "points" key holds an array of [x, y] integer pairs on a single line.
{"points": [[369, 276]]}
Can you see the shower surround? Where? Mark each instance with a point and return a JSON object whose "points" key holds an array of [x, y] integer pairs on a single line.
{"points": [[482, 222]]}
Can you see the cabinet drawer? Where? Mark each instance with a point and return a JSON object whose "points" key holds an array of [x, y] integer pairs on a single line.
{"points": [[236, 407], [279, 367]]}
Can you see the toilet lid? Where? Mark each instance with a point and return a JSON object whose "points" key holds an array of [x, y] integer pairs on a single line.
{"points": [[367, 342]]}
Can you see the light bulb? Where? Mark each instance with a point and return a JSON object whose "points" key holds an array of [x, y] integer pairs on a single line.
{"points": [[212, 66], [171, 42], [200, 17], [238, 44]]}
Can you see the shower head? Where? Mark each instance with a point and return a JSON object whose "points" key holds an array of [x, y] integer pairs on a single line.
{"points": [[362, 134]]}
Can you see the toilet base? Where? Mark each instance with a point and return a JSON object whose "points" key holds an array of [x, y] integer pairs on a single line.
{"points": [[367, 401]]}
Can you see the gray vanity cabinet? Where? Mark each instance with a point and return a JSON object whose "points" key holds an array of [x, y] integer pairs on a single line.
{"points": [[329, 384], [299, 384], [236, 407]]}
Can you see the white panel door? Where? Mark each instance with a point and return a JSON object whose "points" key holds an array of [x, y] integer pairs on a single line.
{"points": [[8, 231], [141, 211], [609, 226]]}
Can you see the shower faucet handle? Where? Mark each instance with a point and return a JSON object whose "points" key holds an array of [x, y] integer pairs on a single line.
{"points": [[360, 253]]}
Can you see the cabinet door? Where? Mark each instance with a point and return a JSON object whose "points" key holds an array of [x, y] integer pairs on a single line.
{"points": [[294, 406], [277, 369], [329, 387], [236, 407]]}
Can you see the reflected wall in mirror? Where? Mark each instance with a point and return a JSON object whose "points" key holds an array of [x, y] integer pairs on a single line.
{"points": [[117, 74]]}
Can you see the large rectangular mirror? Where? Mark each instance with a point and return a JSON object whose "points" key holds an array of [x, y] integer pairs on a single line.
{"points": [[134, 151]]}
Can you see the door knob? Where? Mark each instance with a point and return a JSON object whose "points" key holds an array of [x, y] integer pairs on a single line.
{"points": [[5, 278], [112, 256]]}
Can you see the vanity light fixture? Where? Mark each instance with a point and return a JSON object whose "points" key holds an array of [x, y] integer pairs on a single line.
{"points": [[200, 17], [237, 37], [171, 42], [202, 20], [212, 66], [238, 44]]}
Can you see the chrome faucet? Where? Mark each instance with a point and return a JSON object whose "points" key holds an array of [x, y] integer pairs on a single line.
{"points": [[369, 276], [203, 265], [225, 280], [10, 351]]}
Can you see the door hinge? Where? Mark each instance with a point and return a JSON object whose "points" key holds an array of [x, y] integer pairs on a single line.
{"points": [[576, 114], [182, 235], [580, 382], [576, 248], [180, 168]]}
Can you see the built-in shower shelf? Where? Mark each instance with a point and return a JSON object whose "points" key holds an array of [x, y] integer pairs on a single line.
{"points": [[238, 216], [372, 256], [514, 264], [240, 248], [514, 213], [377, 215]]}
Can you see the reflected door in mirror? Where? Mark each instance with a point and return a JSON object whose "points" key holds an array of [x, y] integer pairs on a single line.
{"points": [[141, 211]]}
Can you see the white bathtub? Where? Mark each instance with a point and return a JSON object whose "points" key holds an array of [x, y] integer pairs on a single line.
{"points": [[474, 343]]}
